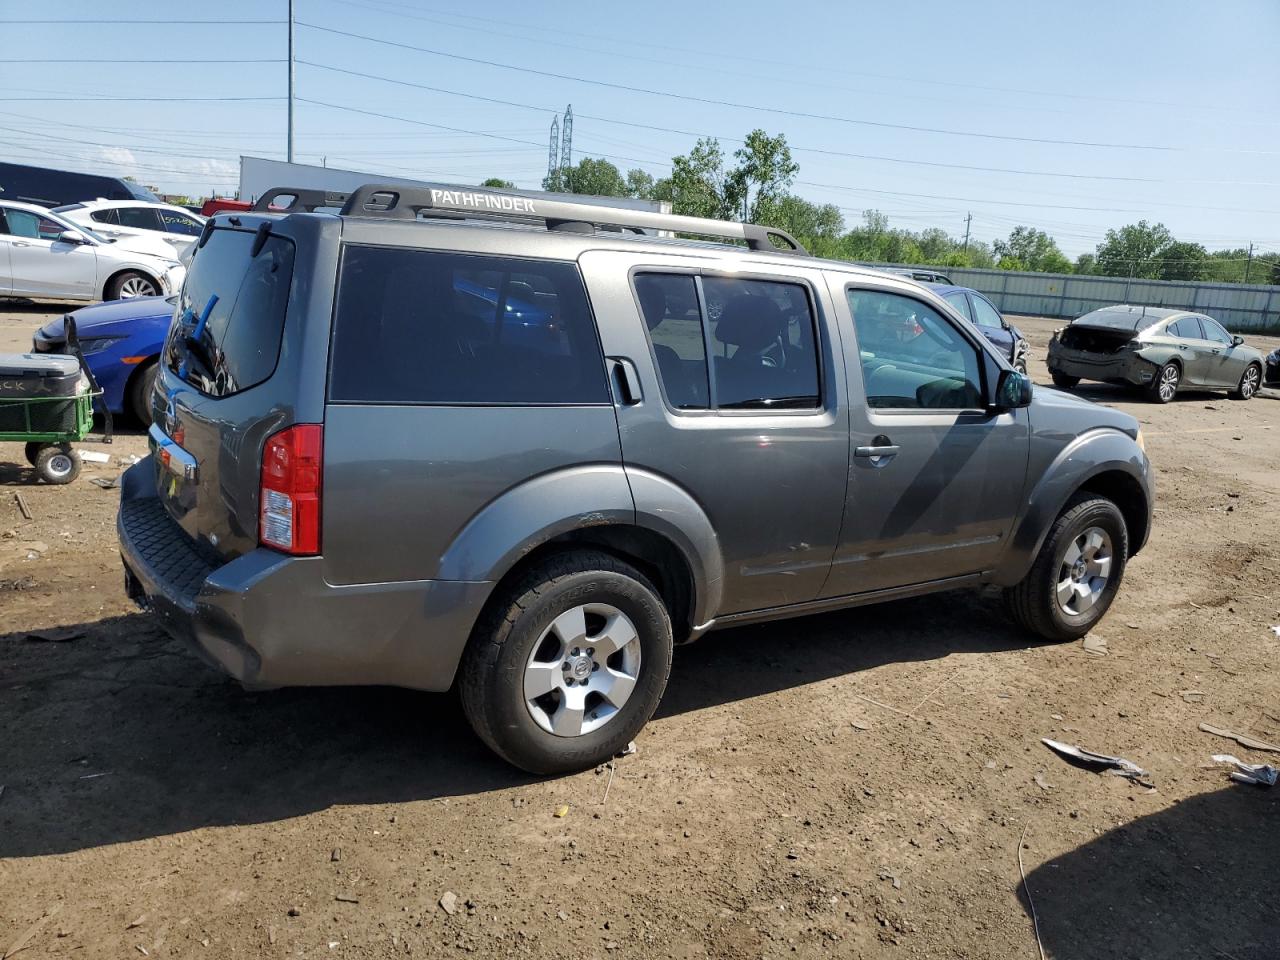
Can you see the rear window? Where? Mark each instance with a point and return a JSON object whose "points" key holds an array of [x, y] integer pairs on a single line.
{"points": [[230, 316], [417, 326]]}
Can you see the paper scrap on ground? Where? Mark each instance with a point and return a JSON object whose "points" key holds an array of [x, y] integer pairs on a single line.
{"points": [[94, 456], [1253, 743], [1257, 774], [1095, 646], [1097, 762]]}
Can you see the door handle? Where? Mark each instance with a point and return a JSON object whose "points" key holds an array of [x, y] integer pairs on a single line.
{"points": [[881, 450], [21, 243], [628, 380]]}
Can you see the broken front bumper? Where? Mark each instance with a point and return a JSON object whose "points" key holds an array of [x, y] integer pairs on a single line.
{"points": [[1124, 367]]}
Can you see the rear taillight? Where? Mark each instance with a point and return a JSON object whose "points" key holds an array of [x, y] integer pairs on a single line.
{"points": [[289, 499]]}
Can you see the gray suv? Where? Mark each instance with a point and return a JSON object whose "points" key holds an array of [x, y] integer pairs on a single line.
{"points": [[523, 447]]}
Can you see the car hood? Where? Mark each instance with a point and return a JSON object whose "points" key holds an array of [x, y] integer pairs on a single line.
{"points": [[103, 318], [1052, 408], [154, 246]]}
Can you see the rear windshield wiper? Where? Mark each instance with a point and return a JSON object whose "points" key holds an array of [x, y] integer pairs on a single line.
{"points": [[773, 403]]}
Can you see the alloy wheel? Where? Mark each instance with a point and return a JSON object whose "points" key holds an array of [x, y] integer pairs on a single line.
{"points": [[582, 670], [1084, 572], [136, 287], [1168, 382], [1249, 383]]}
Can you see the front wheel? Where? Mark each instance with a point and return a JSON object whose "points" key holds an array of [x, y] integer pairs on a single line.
{"points": [[1076, 573], [1250, 380], [58, 464], [1065, 381], [132, 284], [140, 387], [568, 664], [1165, 385]]}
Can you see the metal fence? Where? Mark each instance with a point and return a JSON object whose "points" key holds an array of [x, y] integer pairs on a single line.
{"points": [[1239, 307]]}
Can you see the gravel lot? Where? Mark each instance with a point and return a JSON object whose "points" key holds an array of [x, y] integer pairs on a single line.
{"points": [[859, 784]]}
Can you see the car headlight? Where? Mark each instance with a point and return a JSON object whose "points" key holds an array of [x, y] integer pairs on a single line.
{"points": [[91, 345]]}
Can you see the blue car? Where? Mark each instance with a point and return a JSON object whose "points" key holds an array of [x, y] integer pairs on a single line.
{"points": [[981, 312], [121, 341]]}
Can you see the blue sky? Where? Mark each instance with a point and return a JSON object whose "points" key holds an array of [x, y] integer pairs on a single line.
{"points": [[1163, 110]]}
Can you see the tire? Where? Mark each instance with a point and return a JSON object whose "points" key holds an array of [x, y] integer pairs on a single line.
{"points": [[1250, 380], [32, 450], [1165, 385], [1037, 603], [1065, 381], [140, 385], [57, 463], [524, 643], [132, 283]]}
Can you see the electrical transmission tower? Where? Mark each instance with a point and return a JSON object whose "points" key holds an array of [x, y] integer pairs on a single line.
{"points": [[553, 156], [566, 150]]}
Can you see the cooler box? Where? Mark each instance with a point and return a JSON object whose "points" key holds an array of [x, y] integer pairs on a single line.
{"points": [[51, 381]]}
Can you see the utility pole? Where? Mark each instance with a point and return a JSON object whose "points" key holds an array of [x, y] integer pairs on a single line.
{"points": [[1248, 263], [968, 220], [289, 152]]}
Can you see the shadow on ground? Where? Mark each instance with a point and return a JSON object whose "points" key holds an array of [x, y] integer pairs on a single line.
{"points": [[177, 746], [1196, 881]]}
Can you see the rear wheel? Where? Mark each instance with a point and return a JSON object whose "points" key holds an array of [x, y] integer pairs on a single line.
{"points": [[1064, 380], [32, 450], [132, 284], [140, 386], [567, 664], [1165, 385], [58, 464], [1076, 573], [1250, 380]]}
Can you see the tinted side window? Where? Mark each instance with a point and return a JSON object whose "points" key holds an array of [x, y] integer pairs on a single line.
{"points": [[243, 299], [140, 218], [912, 357], [1185, 328], [175, 222], [417, 326], [669, 303], [106, 216], [1213, 331], [985, 314], [960, 301]]}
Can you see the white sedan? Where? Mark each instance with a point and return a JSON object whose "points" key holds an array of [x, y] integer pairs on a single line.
{"points": [[42, 254], [136, 218]]}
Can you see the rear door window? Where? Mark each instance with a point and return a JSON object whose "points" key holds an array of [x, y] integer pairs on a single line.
{"points": [[140, 218], [230, 316], [419, 326], [960, 300], [985, 314], [180, 223]]}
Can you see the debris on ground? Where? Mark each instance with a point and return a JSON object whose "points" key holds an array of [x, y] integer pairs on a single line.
{"points": [[136, 923], [93, 456], [1276, 629], [1095, 646], [1042, 783], [630, 749], [346, 898], [561, 811], [449, 902], [23, 506], [1191, 696], [106, 483], [1253, 743], [1098, 762], [1255, 774]]}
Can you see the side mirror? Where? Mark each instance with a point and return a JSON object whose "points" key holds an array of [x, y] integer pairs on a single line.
{"points": [[1013, 390], [71, 236], [1237, 340]]}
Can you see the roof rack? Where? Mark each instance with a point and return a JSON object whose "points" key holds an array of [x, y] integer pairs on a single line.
{"points": [[298, 199], [408, 203]]}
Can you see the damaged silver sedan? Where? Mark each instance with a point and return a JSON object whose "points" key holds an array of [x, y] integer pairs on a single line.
{"points": [[1156, 349]]}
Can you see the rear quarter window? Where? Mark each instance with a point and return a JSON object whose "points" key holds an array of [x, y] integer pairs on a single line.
{"points": [[418, 326]]}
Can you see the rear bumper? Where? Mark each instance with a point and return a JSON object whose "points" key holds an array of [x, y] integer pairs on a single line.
{"points": [[270, 620], [1127, 368]]}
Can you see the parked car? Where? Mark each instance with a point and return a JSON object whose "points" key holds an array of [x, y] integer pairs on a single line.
{"points": [[121, 343], [981, 312], [356, 478], [44, 255], [47, 187], [1271, 372], [131, 218], [1159, 350]]}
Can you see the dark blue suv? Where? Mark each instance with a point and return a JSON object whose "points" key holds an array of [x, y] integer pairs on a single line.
{"points": [[980, 311]]}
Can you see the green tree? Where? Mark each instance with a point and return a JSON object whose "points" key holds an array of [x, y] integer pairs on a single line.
{"points": [[1134, 250], [764, 174], [599, 178], [1086, 263], [1181, 260], [497, 183], [640, 184], [816, 226], [1032, 249], [698, 182]]}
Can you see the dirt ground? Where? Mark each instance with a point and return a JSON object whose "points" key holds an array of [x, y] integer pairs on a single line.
{"points": [[859, 784]]}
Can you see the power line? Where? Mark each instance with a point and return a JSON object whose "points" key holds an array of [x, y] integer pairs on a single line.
{"points": [[741, 106], [77, 22], [183, 60], [95, 99]]}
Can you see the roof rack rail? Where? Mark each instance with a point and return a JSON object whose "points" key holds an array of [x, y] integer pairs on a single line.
{"points": [[408, 203], [298, 199]]}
